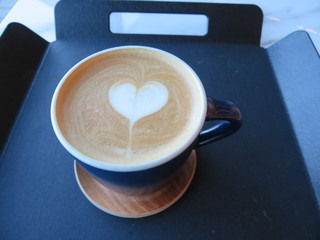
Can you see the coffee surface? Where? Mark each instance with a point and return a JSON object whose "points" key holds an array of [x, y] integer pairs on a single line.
{"points": [[128, 106]]}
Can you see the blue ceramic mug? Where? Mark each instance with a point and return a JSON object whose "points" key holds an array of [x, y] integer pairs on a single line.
{"points": [[77, 102]]}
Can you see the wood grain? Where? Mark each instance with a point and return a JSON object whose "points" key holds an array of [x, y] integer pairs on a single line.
{"points": [[136, 206]]}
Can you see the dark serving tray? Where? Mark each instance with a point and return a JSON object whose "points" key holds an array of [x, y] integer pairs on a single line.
{"points": [[261, 183]]}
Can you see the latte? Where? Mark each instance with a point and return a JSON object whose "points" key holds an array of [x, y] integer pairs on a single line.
{"points": [[129, 105]]}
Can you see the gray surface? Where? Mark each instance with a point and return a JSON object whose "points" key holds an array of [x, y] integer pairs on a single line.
{"points": [[5, 7]]}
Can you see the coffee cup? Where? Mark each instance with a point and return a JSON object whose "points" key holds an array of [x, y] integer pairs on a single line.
{"points": [[131, 115]]}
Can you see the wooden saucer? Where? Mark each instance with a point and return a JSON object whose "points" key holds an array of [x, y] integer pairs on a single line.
{"points": [[136, 206]]}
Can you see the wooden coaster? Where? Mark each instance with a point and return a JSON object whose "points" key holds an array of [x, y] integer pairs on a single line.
{"points": [[136, 206]]}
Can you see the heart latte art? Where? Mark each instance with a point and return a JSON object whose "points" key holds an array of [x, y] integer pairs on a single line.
{"points": [[128, 106], [135, 103]]}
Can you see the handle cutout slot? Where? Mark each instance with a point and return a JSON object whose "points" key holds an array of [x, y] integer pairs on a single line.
{"points": [[159, 23]]}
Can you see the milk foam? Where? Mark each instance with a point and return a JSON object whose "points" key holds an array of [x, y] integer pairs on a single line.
{"points": [[134, 103]]}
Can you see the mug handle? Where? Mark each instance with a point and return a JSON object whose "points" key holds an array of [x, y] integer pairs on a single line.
{"points": [[229, 117]]}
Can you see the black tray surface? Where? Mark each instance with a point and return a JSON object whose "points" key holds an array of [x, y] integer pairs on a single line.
{"points": [[252, 185]]}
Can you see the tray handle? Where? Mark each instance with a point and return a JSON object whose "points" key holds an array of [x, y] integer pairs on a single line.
{"points": [[228, 23]]}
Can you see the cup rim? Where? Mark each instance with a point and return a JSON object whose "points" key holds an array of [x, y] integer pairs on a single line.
{"points": [[136, 166]]}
